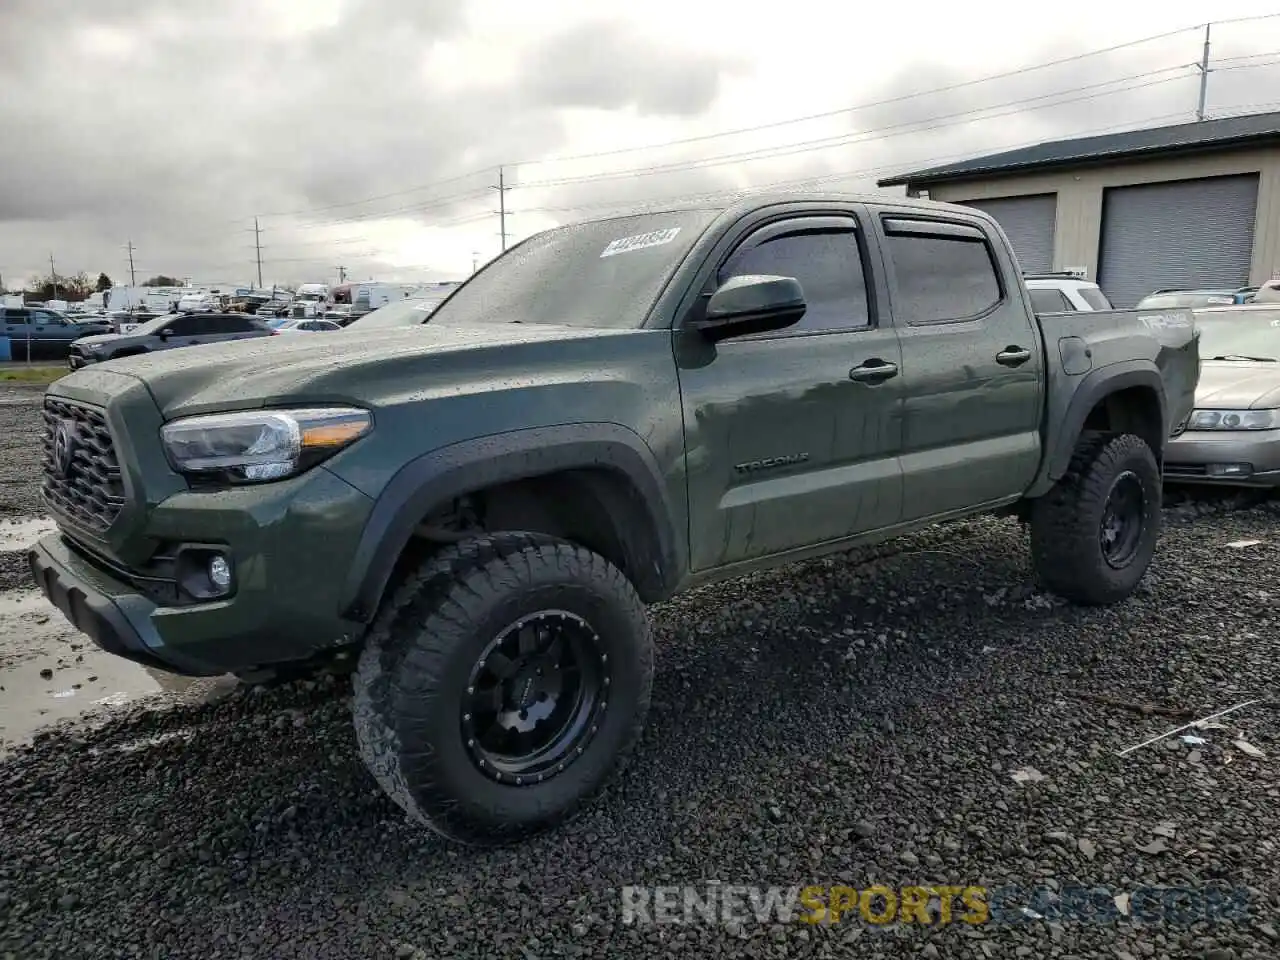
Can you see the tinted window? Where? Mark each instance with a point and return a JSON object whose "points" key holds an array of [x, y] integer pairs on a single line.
{"points": [[229, 324], [184, 326], [942, 278], [1095, 298], [829, 269], [1049, 300], [15, 315]]}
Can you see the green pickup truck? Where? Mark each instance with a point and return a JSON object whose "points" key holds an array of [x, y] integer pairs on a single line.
{"points": [[477, 509]]}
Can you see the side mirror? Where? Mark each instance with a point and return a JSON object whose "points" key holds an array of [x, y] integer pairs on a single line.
{"points": [[752, 304], [166, 333]]}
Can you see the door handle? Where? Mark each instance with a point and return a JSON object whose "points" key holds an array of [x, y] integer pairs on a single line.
{"points": [[1013, 356], [874, 371]]}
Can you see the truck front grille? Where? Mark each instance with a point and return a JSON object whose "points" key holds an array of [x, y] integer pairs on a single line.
{"points": [[81, 473]]}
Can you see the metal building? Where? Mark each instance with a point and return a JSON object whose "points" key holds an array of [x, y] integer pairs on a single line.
{"points": [[1191, 205]]}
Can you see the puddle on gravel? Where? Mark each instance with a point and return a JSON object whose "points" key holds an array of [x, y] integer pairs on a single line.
{"points": [[35, 637], [20, 534]]}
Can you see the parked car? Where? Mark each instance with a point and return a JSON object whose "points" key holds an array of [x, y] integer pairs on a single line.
{"points": [[1065, 292], [1268, 292], [308, 326], [400, 313], [37, 333], [339, 313], [275, 307], [1187, 299], [609, 413], [1233, 435], [166, 333]]}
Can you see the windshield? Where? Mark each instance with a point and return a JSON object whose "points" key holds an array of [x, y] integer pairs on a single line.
{"points": [[1255, 335], [402, 313], [309, 296], [605, 273]]}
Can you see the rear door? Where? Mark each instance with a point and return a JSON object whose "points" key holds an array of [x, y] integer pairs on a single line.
{"points": [[972, 370], [786, 447], [19, 331]]}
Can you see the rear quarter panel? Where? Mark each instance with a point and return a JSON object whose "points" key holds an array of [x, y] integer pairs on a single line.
{"points": [[1086, 349]]}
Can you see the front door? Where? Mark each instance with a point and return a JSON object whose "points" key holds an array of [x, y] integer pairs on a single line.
{"points": [[972, 371], [792, 435]]}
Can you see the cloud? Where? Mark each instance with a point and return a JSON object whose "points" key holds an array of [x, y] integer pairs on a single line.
{"points": [[175, 124], [368, 133]]}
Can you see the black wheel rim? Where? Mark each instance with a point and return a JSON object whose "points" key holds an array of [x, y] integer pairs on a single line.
{"points": [[1123, 516], [535, 698]]}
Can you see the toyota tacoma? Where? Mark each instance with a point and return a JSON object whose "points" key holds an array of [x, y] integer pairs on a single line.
{"points": [[476, 511]]}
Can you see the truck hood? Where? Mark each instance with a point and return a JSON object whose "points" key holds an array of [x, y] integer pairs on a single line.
{"points": [[96, 338], [1238, 385], [369, 368]]}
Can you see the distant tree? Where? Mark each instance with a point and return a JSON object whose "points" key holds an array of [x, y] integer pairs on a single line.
{"points": [[162, 281], [69, 288], [104, 283]]}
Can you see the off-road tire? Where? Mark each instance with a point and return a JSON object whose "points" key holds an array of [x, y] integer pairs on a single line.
{"points": [[426, 637], [1066, 522]]}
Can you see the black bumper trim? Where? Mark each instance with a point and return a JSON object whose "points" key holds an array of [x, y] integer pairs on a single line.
{"points": [[90, 612]]}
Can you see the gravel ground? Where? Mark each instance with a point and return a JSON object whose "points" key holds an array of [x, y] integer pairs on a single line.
{"points": [[853, 720]]}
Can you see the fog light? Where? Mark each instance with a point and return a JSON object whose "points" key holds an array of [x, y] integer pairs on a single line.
{"points": [[220, 572], [1229, 469]]}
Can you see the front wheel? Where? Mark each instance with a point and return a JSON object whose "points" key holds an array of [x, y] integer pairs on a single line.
{"points": [[500, 685], [1094, 534]]}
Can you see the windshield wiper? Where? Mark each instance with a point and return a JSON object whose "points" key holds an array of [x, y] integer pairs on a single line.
{"points": [[1241, 356]]}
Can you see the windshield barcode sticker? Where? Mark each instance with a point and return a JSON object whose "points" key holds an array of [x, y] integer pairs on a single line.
{"points": [[655, 238]]}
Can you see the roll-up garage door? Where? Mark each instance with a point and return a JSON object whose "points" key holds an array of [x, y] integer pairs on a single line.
{"points": [[1028, 222], [1180, 235]]}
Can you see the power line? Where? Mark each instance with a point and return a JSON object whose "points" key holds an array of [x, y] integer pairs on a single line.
{"points": [[1038, 102], [257, 243], [947, 88], [844, 175], [502, 189], [926, 124]]}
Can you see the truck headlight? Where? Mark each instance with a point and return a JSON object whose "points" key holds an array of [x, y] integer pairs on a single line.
{"points": [[255, 446], [1233, 420]]}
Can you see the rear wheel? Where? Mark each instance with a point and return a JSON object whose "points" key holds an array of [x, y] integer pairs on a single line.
{"points": [[1094, 534], [501, 684]]}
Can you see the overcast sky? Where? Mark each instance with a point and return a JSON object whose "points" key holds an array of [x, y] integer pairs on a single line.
{"points": [[368, 133]]}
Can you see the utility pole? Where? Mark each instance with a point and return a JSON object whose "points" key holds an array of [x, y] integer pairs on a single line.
{"points": [[1204, 74], [133, 280], [257, 246], [53, 275], [342, 275], [502, 189]]}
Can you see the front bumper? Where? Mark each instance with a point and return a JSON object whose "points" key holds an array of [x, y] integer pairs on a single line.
{"points": [[1248, 458], [290, 545]]}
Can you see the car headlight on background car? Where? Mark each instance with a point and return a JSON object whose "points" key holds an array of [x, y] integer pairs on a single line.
{"points": [[1233, 420], [255, 446]]}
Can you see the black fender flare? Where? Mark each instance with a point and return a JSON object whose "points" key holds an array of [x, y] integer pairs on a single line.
{"points": [[448, 472], [1096, 385]]}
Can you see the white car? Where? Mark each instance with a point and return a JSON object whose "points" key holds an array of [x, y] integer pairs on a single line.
{"points": [[1064, 292], [304, 325]]}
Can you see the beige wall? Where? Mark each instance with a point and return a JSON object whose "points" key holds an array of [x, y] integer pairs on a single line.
{"points": [[1079, 222]]}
